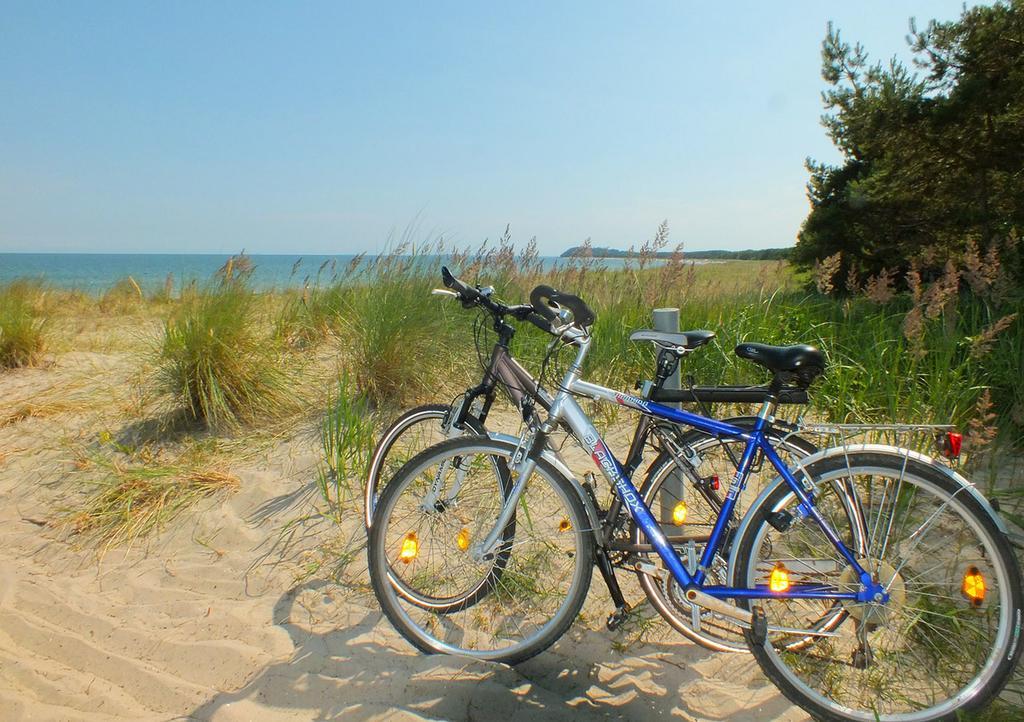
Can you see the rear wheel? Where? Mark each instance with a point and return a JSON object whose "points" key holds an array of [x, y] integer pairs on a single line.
{"points": [[948, 638]]}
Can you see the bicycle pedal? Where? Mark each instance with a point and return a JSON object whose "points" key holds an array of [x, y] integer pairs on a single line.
{"points": [[616, 618], [759, 627]]}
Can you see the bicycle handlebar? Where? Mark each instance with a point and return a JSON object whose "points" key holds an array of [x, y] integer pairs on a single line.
{"points": [[541, 311], [470, 297]]}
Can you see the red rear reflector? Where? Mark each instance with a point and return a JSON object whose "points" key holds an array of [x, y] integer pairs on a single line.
{"points": [[714, 482], [950, 444]]}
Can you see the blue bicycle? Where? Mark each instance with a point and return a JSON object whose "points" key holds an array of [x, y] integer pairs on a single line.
{"points": [[870, 582]]}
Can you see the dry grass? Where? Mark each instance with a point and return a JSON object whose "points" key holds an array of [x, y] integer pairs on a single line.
{"points": [[5, 454], [68, 398], [128, 500]]}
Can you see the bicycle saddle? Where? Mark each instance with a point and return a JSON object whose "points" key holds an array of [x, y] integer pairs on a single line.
{"points": [[678, 342], [803, 361]]}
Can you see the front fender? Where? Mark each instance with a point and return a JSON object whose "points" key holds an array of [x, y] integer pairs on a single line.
{"points": [[560, 466]]}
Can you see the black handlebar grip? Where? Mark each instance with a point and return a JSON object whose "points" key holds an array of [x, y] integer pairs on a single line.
{"points": [[468, 294], [539, 321], [543, 296], [539, 298], [452, 282]]}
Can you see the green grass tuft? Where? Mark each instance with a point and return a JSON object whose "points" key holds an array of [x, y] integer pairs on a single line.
{"points": [[347, 435], [22, 324], [215, 360]]}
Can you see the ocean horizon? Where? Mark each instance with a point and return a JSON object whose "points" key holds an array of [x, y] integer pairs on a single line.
{"points": [[93, 272]]}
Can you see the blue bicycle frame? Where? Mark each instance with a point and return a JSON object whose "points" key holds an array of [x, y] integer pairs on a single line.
{"points": [[564, 408]]}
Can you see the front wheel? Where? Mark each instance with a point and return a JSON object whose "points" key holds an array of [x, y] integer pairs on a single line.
{"points": [[947, 639], [428, 522]]}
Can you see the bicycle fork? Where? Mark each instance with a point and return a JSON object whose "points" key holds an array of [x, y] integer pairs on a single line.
{"points": [[522, 465]]}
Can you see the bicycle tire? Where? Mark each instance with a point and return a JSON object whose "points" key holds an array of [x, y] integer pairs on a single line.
{"points": [[529, 583], [716, 633], [919, 625], [427, 416]]}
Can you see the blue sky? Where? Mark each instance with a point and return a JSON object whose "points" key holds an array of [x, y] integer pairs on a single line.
{"points": [[325, 127]]}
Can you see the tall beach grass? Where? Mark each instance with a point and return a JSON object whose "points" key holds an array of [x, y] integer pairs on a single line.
{"points": [[218, 360], [229, 356], [23, 319]]}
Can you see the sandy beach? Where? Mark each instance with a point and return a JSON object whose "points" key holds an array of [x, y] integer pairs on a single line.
{"points": [[199, 623]]}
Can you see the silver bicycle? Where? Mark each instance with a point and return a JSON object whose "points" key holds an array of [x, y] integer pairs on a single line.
{"points": [[870, 582]]}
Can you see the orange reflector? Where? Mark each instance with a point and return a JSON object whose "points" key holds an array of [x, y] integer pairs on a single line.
{"points": [[779, 579], [974, 586], [564, 525], [462, 540], [410, 547], [679, 514]]}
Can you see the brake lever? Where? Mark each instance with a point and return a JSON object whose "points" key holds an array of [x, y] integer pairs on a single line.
{"points": [[444, 292]]}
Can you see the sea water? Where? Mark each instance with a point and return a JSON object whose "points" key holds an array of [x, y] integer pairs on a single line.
{"points": [[94, 272]]}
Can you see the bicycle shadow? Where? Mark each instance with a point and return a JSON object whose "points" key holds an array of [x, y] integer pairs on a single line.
{"points": [[360, 669]]}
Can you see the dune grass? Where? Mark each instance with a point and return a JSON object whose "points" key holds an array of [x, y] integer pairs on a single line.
{"points": [[347, 435], [23, 321], [892, 357], [229, 356], [125, 296], [217, 361], [128, 494]]}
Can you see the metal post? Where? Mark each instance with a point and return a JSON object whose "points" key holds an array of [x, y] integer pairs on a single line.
{"points": [[667, 319]]}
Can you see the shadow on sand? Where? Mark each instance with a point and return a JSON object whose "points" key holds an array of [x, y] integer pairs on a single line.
{"points": [[360, 669]]}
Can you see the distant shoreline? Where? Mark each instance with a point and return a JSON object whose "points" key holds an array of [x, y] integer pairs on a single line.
{"points": [[764, 254]]}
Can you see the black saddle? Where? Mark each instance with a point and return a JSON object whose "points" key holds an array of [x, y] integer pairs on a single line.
{"points": [[799, 364], [679, 343]]}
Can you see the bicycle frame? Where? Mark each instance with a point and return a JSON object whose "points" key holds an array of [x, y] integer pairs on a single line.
{"points": [[565, 409], [501, 368]]}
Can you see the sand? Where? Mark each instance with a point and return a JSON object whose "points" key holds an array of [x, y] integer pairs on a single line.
{"points": [[186, 627]]}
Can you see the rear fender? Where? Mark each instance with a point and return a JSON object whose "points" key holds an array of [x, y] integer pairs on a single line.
{"points": [[1012, 532]]}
